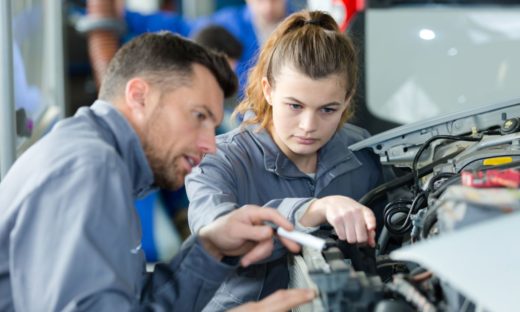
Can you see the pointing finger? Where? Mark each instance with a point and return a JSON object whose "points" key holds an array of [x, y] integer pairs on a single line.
{"points": [[370, 219]]}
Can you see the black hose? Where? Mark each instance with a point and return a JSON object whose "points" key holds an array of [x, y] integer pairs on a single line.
{"points": [[382, 189], [393, 209], [427, 144]]}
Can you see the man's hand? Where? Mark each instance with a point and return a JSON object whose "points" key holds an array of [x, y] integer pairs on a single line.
{"points": [[281, 301], [352, 221], [243, 232]]}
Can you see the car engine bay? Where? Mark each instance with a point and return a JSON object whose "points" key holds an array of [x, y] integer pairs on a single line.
{"points": [[453, 178]]}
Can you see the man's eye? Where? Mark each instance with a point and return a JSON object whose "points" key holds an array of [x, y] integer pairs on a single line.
{"points": [[200, 116]]}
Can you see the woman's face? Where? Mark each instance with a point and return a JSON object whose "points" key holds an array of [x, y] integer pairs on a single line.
{"points": [[306, 112]]}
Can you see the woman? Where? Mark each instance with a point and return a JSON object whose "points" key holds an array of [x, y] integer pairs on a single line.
{"points": [[292, 152]]}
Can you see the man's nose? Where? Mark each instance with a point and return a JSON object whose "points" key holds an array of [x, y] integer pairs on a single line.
{"points": [[207, 142]]}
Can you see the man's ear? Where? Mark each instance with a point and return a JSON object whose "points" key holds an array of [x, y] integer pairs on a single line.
{"points": [[266, 89], [136, 92]]}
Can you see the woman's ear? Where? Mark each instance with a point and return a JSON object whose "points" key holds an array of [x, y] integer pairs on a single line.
{"points": [[136, 91], [266, 89]]}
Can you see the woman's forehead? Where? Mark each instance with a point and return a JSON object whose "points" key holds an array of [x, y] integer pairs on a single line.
{"points": [[289, 74]]}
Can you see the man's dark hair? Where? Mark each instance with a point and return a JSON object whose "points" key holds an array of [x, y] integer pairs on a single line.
{"points": [[219, 39], [166, 60]]}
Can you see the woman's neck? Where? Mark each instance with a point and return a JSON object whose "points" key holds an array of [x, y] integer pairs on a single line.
{"points": [[306, 163]]}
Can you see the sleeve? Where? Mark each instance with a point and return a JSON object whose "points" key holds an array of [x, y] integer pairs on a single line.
{"points": [[76, 247], [299, 214], [213, 188], [197, 277], [212, 191]]}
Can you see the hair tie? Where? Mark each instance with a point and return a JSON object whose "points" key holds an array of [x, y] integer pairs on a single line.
{"points": [[313, 22]]}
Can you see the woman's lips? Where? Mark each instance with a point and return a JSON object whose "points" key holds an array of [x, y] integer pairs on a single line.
{"points": [[305, 141]]}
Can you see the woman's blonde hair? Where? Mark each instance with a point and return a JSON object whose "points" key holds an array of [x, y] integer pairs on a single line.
{"points": [[312, 43]]}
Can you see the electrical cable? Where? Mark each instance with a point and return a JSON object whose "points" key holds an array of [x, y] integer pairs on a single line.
{"points": [[427, 144], [442, 175], [382, 189]]}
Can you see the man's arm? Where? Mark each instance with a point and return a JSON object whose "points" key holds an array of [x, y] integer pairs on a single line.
{"points": [[281, 301], [187, 283], [197, 272]]}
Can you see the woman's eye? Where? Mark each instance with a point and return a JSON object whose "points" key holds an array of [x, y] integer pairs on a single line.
{"points": [[328, 110], [295, 106]]}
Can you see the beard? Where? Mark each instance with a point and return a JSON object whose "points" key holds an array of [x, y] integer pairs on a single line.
{"points": [[163, 162], [167, 174]]}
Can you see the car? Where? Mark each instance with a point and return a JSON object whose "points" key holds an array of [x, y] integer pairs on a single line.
{"points": [[438, 90]]}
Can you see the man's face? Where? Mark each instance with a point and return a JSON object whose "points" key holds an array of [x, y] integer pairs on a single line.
{"points": [[180, 127], [267, 11]]}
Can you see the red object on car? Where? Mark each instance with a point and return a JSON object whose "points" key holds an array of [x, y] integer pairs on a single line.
{"points": [[492, 178]]}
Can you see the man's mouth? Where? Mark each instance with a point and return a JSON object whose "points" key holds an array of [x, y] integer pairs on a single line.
{"points": [[192, 161]]}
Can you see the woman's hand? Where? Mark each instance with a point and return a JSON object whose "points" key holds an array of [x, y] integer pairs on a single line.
{"points": [[352, 221]]}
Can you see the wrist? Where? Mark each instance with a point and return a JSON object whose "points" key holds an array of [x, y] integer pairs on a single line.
{"points": [[209, 246], [315, 215]]}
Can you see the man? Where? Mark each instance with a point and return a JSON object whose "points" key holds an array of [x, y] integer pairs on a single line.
{"points": [[164, 214], [69, 235]]}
